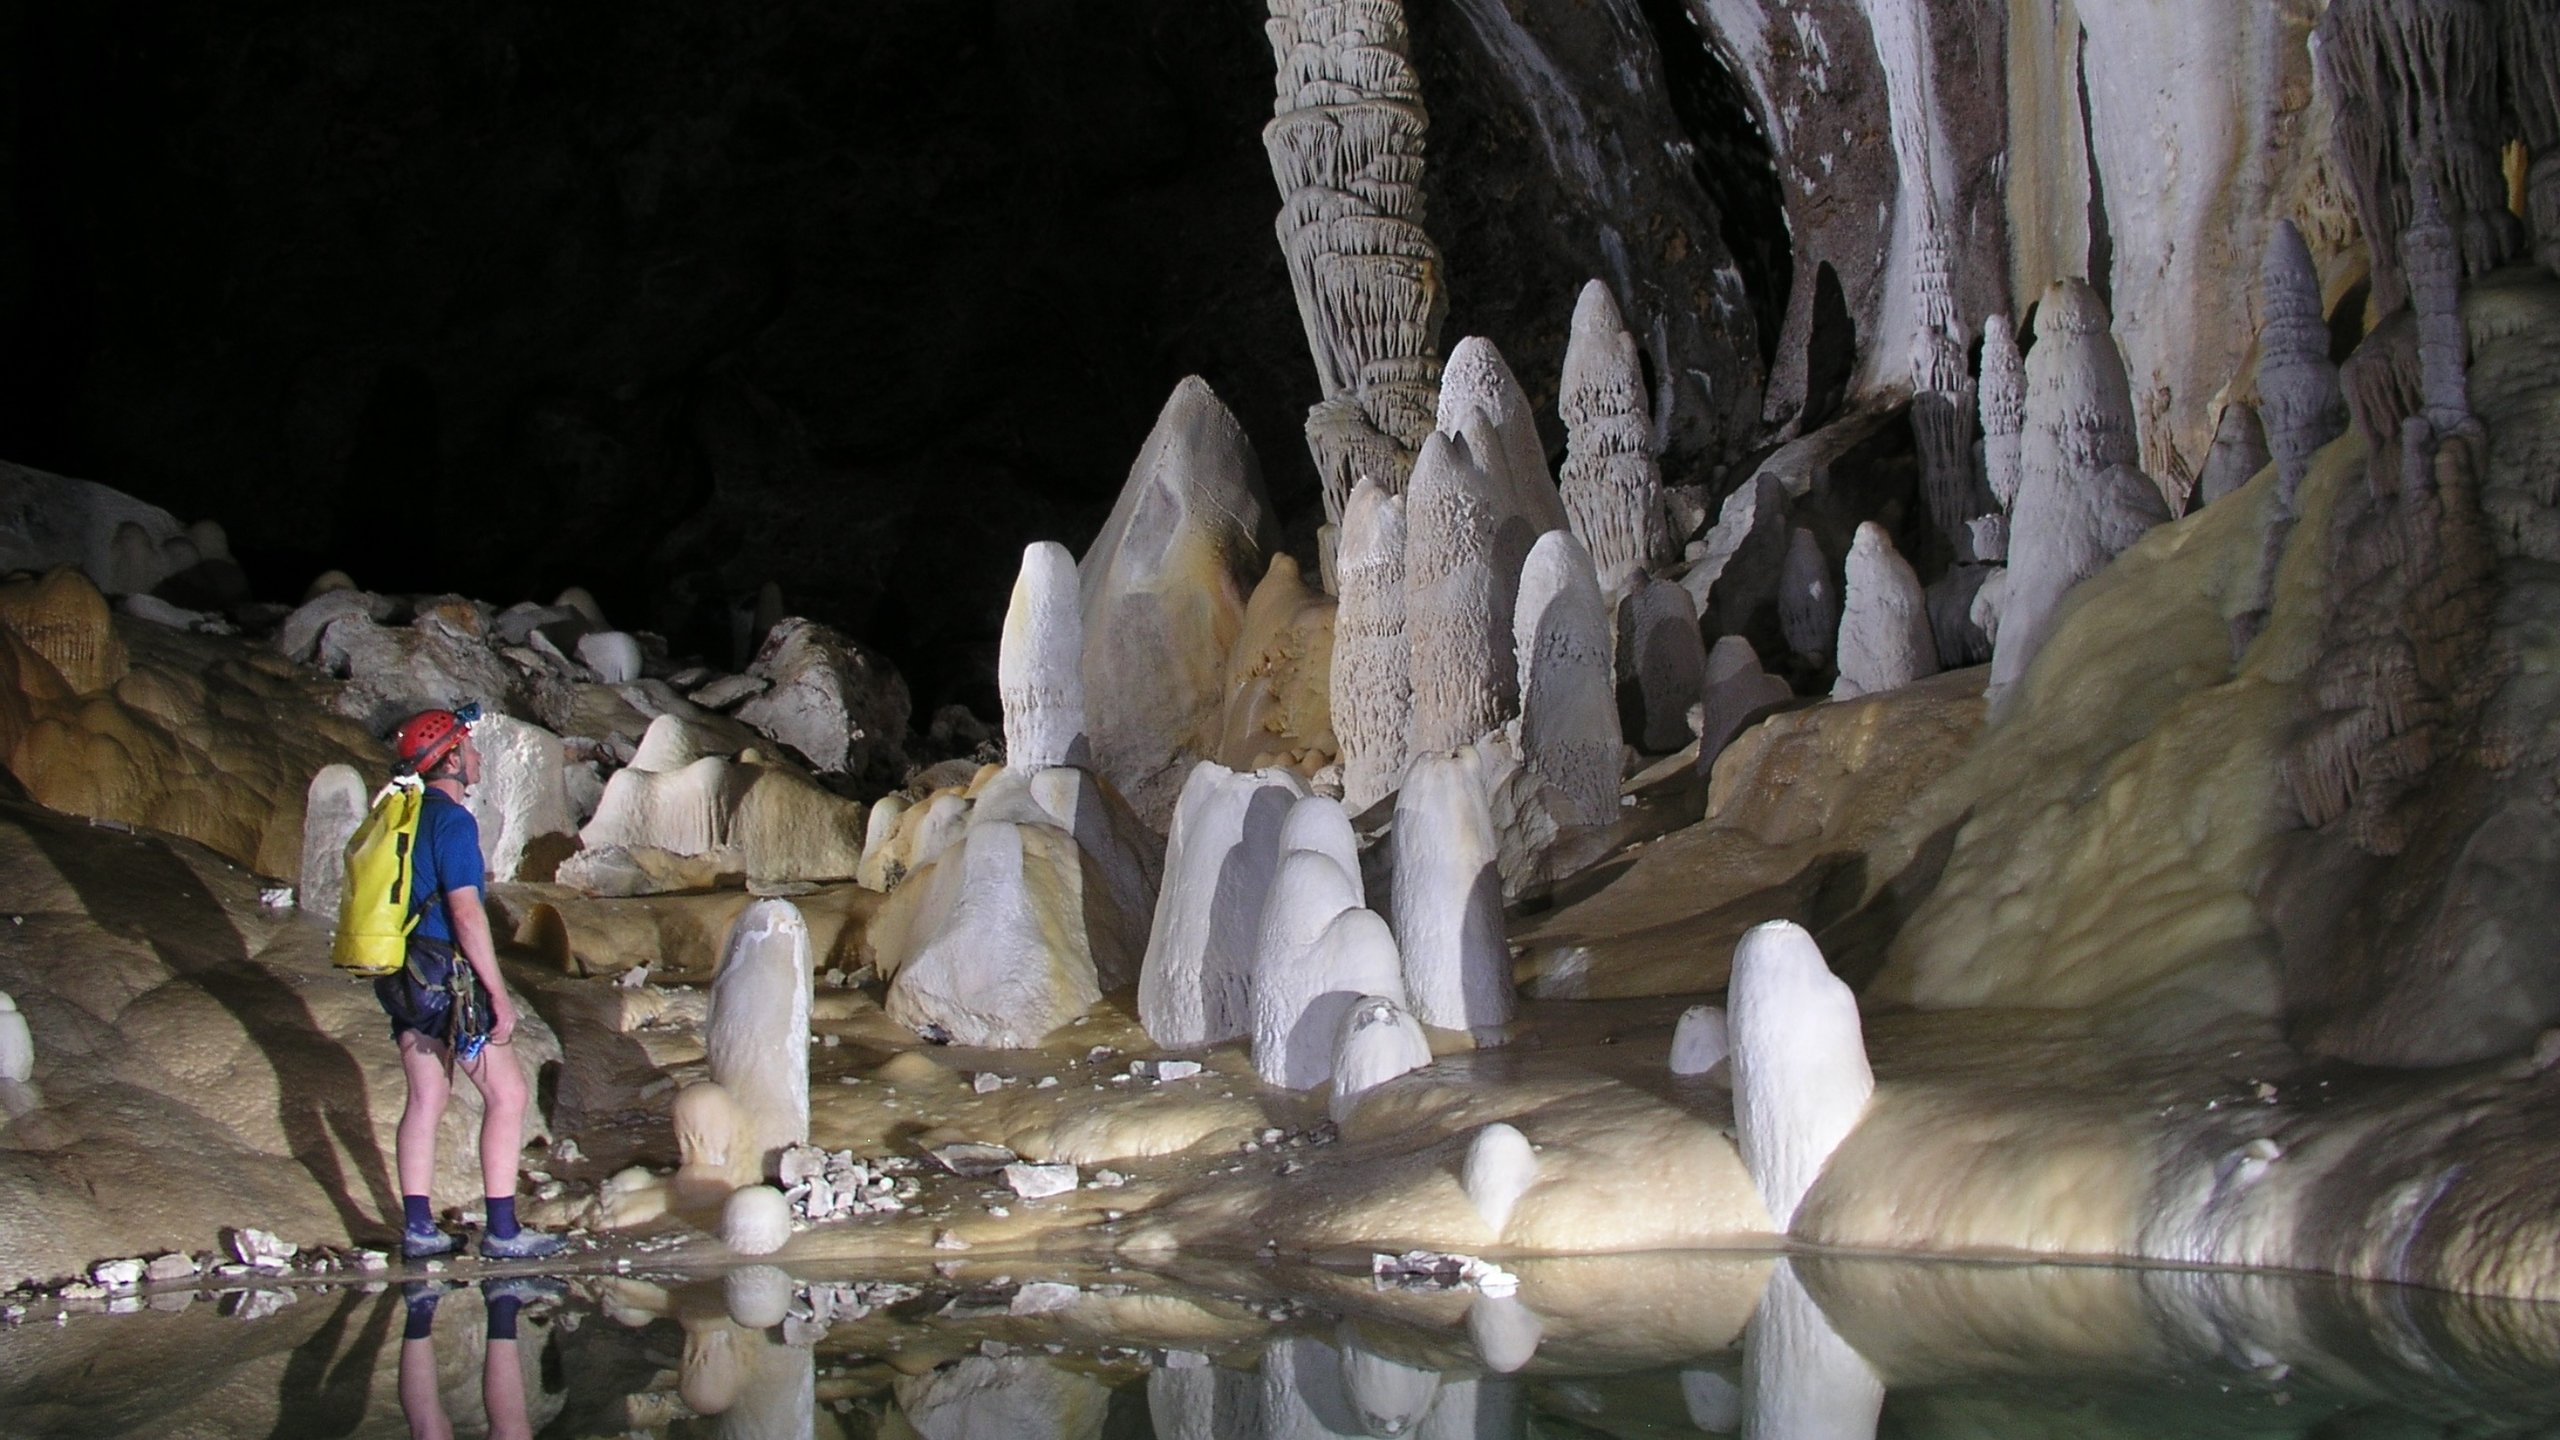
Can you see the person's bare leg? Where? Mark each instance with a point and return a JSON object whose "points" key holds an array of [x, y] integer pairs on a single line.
{"points": [[422, 1062], [503, 1097], [502, 1391], [421, 1398]]}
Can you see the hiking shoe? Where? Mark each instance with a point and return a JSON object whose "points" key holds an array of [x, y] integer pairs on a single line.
{"points": [[427, 1244], [525, 1289], [523, 1245]]}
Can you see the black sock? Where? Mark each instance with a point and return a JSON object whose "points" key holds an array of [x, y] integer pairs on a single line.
{"points": [[417, 1214], [502, 1316], [502, 1216], [422, 1316]]}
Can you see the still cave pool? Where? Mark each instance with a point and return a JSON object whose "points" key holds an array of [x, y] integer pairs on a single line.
{"points": [[1625, 1346]]}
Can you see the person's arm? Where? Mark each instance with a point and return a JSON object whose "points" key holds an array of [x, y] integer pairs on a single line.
{"points": [[471, 937]]}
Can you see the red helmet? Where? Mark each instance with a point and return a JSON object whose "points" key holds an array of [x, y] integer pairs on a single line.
{"points": [[424, 738]]}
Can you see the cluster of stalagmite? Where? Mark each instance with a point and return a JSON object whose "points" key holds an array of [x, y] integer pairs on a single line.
{"points": [[1318, 951], [1611, 484], [1346, 148], [1220, 862], [2081, 500]]}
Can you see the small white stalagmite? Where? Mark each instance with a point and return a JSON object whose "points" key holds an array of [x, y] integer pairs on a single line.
{"points": [[1500, 1168], [1039, 663], [1701, 1043], [755, 1220], [1568, 702], [331, 810], [1448, 897], [1800, 1076], [1299, 1009], [1218, 867], [1379, 1040], [1307, 891], [757, 1038], [1885, 642]]}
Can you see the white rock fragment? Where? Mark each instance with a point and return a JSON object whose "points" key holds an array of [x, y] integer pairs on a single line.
{"points": [[1447, 897], [1700, 1044], [522, 800], [755, 1220], [261, 1251], [1378, 1041], [1164, 1070], [180, 1266], [1500, 1168], [1039, 1182], [117, 1274], [1039, 674], [1800, 1076]]}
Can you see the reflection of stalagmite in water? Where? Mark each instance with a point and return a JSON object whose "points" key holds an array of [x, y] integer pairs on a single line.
{"points": [[1189, 1399], [751, 1386], [1800, 1380], [1018, 1397], [1387, 1396], [1303, 1397]]}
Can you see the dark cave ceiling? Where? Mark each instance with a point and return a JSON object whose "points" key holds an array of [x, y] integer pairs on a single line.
{"points": [[671, 300]]}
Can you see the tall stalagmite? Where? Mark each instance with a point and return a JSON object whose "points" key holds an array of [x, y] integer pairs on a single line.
{"points": [[1568, 703], [1611, 485], [1346, 149], [2004, 409], [2298, 396], [1372, 655], [1461, 655], [2081, 500], [1039, 663]]}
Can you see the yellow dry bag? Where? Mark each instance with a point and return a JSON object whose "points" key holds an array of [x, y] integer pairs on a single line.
{"points": [[374, 918]]}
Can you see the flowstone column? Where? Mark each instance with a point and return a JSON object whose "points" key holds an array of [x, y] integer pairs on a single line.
{"points": [[1346, 148]]}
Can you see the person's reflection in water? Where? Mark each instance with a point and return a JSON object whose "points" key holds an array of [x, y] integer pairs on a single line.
{"points": [[501, 1364]]}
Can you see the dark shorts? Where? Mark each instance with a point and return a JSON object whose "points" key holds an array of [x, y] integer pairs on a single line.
{"points": [[420, 996]]}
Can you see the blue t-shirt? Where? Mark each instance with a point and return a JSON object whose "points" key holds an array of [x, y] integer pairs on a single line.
{"points": [[448, 858]]}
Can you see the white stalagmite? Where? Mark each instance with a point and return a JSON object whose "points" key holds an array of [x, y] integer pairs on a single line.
{"points": [[1500, 1168], [522, 800], [1701, 1042], [683, 812], [1662, 665], [1219, 864], [1039, 662], [1448, 897], [1379, 1040], [17, 1042], [1800, 1380], [1800, 1076], [757, 1038], [1885, 642], [1481, 402], [755, 1220], [331, 810], [877, 831], [1611, 485], [1319, 823], [1460, 660], [1307, 891], [1165, 586], [991, 970], [2081, 501], [1372, 682], [1568, 696], [1301, 1002], [2003, 398]]}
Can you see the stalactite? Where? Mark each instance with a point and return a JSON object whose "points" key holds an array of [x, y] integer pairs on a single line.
{"points": [[1372, 679], [2416, 97], [1611, 485], [1346, 148], [2435, 293]]}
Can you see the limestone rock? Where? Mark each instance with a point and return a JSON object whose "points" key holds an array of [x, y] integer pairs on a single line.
{"points": [[437, 660], [1447, 895], [1163, 597], [1569, 729], [840, 706], [1662, 663], [613, 655], [1379, 1040], [1372, 675], [1022, 1397], [2239, 451], [1885, 642], [1737, 692], [757, 1038], [1800, 1076], [63, 620], [121, 544], [332, 808], [1611, 485], [298, 636], [1278, 708], [1220, 860]]}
